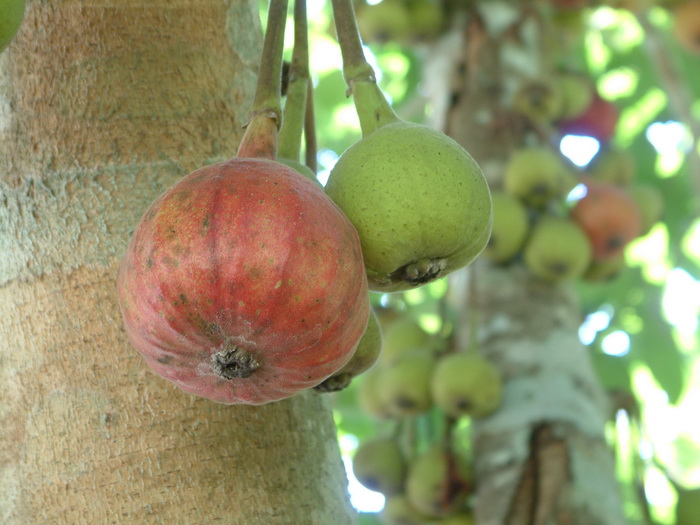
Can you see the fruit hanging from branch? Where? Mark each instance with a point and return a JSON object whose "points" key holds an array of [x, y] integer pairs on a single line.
{"points": [[419, 201], [244, 283]]}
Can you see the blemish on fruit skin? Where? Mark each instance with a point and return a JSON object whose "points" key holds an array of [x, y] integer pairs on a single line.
{"points": [[278, 284]]}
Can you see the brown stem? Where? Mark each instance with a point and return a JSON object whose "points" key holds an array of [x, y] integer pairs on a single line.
{"points": [[260, 138]]}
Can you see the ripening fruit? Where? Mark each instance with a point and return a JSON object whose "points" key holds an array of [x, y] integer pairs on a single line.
{"points": [[686, 18], [404, 385], [613, 166], [399, 511], [534, 175], [650, 202], [466, 384], [402, 335], [419, 201], [368, 396], [557, 250], [368, 350], [610, 218], [11, 14], [438, 482], [426, 19], [379, 465], [599, 120], [539, 100], [387, 21], [576, 92], [510, 227]]}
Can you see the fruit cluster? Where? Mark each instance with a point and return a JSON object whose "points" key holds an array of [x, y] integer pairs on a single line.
{"points": [[416, 379], [563, 222]]}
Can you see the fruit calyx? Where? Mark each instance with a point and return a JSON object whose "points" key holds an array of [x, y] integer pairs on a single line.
{"points": [[419, 272], [233, 361]]}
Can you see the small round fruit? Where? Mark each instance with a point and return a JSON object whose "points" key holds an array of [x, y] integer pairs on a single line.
{"points": [[466, 384], [557, 250], [686, 19], [379, 465], [419, 201], [399, 511], [613, 166], [243, 283], [577, 93], [601, 271], [404, 334], [368, 394], [610, 218], [599, 120], [11, 15], [438, 482], [368, 350], [539, 100], [404, 386], [650, 202], [534, 175], [510, 227], [386, 21], [303, 169]]}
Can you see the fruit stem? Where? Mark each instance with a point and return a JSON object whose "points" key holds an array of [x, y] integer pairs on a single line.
{"points": [[289, 140], [310, 130], [371, 105], [260, 138]]}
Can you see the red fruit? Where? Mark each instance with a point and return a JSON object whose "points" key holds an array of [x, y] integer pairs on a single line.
{"points": [[244, 283], [610, 218], [599, 121]]}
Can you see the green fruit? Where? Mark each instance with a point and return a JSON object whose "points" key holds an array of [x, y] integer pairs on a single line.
{"points": [[399, 511], [688, 506], [426, 19], [418, 200], [368, 394], [368, 350], [402, 335], [466, 384], [577, 94], [379, 465], [300, 168], [404, 386], [613, 166], [11, 14], [438, 482], [539, 100], [557, 250], [510, 227], [605, 270], [387, 21], [534, 175], [650, 202]]}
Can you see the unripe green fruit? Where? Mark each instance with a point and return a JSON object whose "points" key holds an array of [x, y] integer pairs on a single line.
{"points": [[379, 465], [534, 175], [300, 168], [558, 250], [510, 227], [368, 350], [368, 394], [688, 507], [466, 384], [539, 100], [614, 166], [426, 19], [399, 511], [418, 200], [577, 94], [402, 335], [650, 202], [601, 271], [11, 14], [438, 482], [404, 387], [387, 21]]}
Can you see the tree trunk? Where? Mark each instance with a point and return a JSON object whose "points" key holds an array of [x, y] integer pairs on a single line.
{"points": [[542, 459], [103, 105]]}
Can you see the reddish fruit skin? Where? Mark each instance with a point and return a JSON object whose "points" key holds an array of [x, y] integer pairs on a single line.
{"points": [[245, 254], [610, 218], [599, 121]]}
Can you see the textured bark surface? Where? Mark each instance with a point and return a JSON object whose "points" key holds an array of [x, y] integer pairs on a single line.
{"points": [[103, 105], [542, 459]]}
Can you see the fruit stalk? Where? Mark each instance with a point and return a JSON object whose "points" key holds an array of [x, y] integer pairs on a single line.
{"points": [[289, 140], [260, 138], [372, 107], [310, 130]]}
